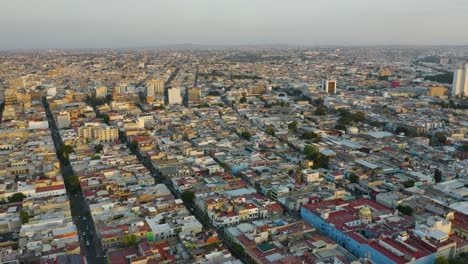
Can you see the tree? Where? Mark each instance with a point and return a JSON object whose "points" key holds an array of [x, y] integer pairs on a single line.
{"points": [[408, 184], [340, 127], [320, 160], [405, 209], [188, 197], [129, 240], [238, 249], [437, 176], [353, 178], [64, 151], [24, 217], [246, 135], [270, 131], [17, 198], [98, 148], [309, 136], [243, 100], [292, 126], [134, 144], [441, 260], [320, 111], [72, 183]]}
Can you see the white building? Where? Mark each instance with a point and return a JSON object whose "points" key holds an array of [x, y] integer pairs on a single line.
{"points": [[329, 86], [460, 81], [173, 96], [63, 120]]}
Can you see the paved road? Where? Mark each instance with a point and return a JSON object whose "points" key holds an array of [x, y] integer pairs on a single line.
{"points": [[90, 244]]}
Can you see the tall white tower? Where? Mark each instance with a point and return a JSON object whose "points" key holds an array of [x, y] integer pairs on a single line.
{"points": [[460, 81], [173, 96]]}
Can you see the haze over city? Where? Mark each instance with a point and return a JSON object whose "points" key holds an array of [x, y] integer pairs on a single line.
{"points": [[151, 23]]}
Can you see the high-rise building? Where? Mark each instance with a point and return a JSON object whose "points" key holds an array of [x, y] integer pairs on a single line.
{"points": [[194, 94], [460, 81], [101, 92], [155, 87], [173, 96], [329, 86]]}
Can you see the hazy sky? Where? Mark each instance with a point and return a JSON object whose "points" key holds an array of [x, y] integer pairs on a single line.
{"points": [[136, 23]]}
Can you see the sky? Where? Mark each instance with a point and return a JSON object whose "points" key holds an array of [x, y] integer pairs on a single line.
{"points": [[40, 24]]}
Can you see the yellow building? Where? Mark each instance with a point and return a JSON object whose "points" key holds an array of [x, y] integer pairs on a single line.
{"points": [[194, 94], [99, 132], [436, 91], [385, 72]]}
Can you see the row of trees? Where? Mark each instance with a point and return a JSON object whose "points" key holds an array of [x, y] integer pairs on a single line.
{"points": [[15, 198]]}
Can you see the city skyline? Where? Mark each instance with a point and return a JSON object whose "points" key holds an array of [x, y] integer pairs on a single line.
{"points": [[58, 24]]}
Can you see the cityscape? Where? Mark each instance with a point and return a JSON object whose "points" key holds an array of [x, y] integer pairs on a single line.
{"points": [[243, 153]]}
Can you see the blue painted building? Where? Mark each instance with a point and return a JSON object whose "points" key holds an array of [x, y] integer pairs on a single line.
{"points": [[364, 242]]}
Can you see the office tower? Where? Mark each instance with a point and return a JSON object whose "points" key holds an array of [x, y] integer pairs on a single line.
{"points": [[460, 81], [173, 96], [101, 92], [155, 87], [149, 93], [329, 86], [194, 94]]}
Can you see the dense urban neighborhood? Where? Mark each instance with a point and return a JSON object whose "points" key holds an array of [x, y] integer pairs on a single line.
{"points": [[234, 155]]}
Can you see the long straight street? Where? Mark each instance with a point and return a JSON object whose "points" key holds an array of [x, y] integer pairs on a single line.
{"points": [[90, 245]]}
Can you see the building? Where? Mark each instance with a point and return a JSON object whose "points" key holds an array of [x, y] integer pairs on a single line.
{"points": [[436, 91], [101, 92], [98, 131], [385, 72], [329, 86], [63, 120], [173, 96], [194, 94], [257, 89], [460, 81], [155, 87], [370, 230]]}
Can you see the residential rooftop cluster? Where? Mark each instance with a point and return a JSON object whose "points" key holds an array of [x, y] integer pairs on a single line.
{"points": [[349, 155]]}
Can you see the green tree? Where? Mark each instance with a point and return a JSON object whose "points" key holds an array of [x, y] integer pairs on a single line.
{"points": [[292, 126], [129, 240], [408, 184], [243, 100], [309, 136], [98, 148], [340, 127], [17, 198], [246, 135], [238, 249], [65, 150], [320, 160], [24, 217], [405, 209], [441, 260], [134, 144], [437, 176], [270, 130], [353, 178], [188, 197], [72, 183], [320, 111]]}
